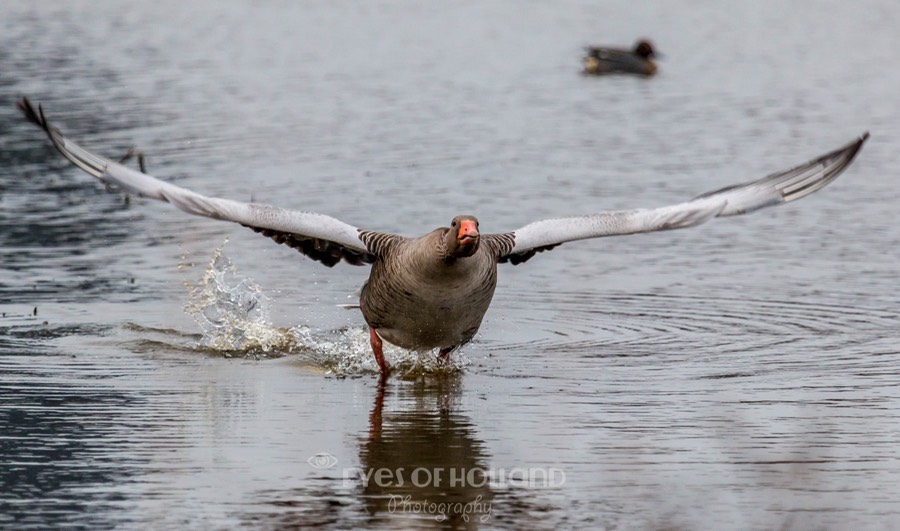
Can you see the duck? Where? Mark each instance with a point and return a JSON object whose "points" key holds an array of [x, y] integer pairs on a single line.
{"points": [[431, 292], [638, 60]]}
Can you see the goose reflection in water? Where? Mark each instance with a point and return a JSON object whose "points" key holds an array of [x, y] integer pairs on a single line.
{"points": [[424, 461], [406, 458]]}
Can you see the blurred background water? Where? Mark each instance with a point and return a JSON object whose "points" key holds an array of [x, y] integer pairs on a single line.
{"points": [[739, 375]]}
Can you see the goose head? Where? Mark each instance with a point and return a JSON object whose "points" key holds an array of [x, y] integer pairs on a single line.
{"points": [[461, 240]]}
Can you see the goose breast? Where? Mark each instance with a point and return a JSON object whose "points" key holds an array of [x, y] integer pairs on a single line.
{"points": [[417, 300]]}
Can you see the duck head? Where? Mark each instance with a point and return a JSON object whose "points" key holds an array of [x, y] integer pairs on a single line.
{"points": [[644, 49], [462, 238]]}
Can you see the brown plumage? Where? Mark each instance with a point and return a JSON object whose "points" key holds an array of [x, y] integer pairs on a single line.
{"points": [[638, 60], [424, 293], [432, 291]]}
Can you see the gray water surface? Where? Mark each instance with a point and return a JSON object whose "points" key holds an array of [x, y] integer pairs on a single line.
{"points": [[740, 375]]}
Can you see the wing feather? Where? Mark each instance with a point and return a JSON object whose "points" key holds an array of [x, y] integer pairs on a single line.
{"points": [[781, 187], [321, 237], [330, 240]]}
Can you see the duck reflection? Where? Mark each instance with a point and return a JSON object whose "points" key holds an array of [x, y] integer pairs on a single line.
{"points": [[423, 460]]}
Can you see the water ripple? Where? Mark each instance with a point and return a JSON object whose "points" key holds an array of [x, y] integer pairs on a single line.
{"points": [[582, 323]]}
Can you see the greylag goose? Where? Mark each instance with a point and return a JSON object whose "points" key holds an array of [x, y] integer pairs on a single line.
{"points": [[638, 60], [432, 291]]}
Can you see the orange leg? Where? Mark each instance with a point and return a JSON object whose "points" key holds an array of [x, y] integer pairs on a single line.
{"points": [[376, 349], [444, 355]]}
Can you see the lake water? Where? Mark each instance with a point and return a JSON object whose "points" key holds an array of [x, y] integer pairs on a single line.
{"points": [[740, 375]]}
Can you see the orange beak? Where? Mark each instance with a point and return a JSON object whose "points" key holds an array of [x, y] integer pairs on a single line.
{"points": [[468, 232]]}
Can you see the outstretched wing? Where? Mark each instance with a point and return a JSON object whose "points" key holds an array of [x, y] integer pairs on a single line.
{"points": [[782, 187], [320, 237]]}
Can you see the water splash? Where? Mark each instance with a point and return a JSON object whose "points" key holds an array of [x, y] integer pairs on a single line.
{"points": [[233, 315], [233, 312], [347, 352]]}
